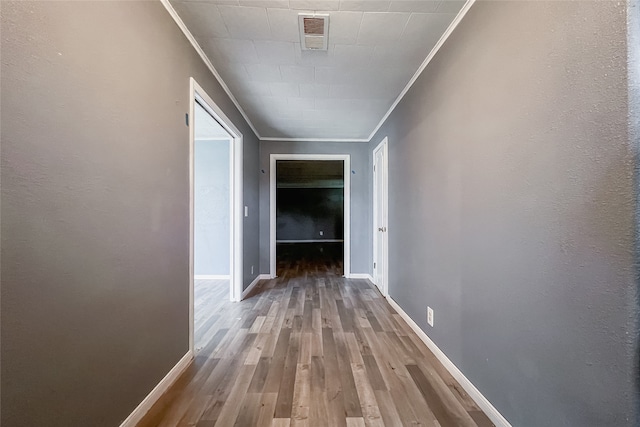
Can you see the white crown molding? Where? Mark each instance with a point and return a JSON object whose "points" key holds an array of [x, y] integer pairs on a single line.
{"points": [[426, 62], [417, 74], [270, 138], [207, 62]]}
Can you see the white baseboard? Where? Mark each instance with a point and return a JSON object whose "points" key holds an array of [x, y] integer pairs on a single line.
{"points": [[254, 283], [365, 276], [493, 414], [212, 277], [141, 410]]}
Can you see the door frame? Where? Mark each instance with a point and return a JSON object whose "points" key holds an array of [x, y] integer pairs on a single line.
{"points": [[198, 94], [346, 158], [384, 146]]}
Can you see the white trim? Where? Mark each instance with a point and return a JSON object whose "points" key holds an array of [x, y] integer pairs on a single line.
{"points": [[192, 138], [484, 404], [209, 65], [206, 61], [384, 286], [428, 59], [364, 276], [236, 208], [254, 283], [346, 158], [141, 410], [276, 139], [212, 277]]}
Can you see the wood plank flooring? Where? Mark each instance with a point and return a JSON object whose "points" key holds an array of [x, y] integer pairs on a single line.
{"points": [[311, 348], [299, 258], [210, 297]]}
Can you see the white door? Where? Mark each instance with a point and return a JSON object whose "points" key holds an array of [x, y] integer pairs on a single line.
{"points": [[380, 214]]}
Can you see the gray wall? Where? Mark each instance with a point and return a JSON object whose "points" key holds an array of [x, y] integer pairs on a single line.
{"points": [[512, 210], [95, 206], [361, 195], [212, 204], [633, 47]]}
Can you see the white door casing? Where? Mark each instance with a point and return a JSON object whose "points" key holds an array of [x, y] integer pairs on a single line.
{"points": [[197, 94], [380, 217], [346, 158]]}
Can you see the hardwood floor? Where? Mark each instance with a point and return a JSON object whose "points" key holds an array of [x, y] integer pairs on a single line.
{"points": [[209, 300], [294, 259], [311, 348]]}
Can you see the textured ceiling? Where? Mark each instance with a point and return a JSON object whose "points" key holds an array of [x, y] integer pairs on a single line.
{"points": [[375, 47]]}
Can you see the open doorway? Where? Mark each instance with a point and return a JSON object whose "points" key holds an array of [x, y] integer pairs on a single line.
{"points": [[216, 201], [309, 214]]}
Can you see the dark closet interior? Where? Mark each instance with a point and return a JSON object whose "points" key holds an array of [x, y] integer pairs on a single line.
{"points": [[310, 215]]}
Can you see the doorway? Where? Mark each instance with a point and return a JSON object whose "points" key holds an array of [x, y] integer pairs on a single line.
{"points": [[380, 217], [310, 212], [215, 176]]}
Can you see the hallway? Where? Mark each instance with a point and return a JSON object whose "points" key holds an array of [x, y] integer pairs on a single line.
{"points": [[314, 349], [503, 200]]}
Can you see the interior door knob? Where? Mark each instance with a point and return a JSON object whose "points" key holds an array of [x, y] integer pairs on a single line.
{"points": [[380, 229]]}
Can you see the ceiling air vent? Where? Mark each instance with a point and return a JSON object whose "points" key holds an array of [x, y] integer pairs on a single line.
{"points": [[314, 31]]}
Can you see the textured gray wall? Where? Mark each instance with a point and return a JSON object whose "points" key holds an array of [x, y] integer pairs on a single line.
{"points": [[212, 238], [512, 209], [633, 68], [361, 195], [95, 206]]}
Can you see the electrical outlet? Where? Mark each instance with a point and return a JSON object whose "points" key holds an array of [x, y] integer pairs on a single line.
{"points": [[322, 233], [252, 269], [430, 316], [246, 211]]}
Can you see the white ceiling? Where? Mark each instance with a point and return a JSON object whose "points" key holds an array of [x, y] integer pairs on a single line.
{"points": [[375, 48]]}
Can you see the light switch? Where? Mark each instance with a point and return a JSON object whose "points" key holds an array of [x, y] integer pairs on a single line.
{"points": [[246, 211]]}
